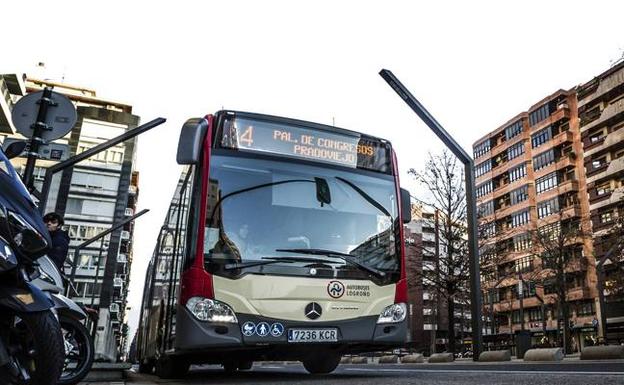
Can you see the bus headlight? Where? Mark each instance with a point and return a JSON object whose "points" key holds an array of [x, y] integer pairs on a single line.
{"points": [[393, 313], [205, 309]]}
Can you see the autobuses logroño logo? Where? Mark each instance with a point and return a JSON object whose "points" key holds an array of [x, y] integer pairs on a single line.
{"points": [[335, 289]]}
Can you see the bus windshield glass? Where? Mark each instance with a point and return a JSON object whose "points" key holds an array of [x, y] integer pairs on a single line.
{"points": [[258, 207]]}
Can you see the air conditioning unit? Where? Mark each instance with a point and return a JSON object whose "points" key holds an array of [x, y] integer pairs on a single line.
{"points": [[114, 308], [122, 258], [117, 282], [125, 234], [129, 212]]}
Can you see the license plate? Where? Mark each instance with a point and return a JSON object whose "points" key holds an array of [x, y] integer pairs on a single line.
{"points": [[312, 335]]}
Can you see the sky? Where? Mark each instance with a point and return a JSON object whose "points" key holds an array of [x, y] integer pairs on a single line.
{"points": [[474, 65]]}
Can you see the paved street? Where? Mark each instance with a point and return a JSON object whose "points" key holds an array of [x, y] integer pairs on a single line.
{"points": [[515, 373]]}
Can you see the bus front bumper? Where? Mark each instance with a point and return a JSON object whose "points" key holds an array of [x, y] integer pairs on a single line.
{"points": [[360, 333]]}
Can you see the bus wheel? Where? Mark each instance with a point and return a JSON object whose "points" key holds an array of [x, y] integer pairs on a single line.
{"points": [[171, 367], [322, 363], [245, 365]]}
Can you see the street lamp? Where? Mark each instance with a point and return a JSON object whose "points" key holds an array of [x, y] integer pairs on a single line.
{"points": [[473, 253]]}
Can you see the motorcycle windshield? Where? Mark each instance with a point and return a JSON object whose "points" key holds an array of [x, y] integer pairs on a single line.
{"points": [[15, 197]]}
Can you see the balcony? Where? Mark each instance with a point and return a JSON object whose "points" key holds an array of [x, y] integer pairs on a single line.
{"points": [[606, 85], [505, 211], [562, 112], [565, 213], [579, 293], [615, 167], [563, 163], [566, 186], [509, 187], [612, 139], [614, 197], [611, 111]]}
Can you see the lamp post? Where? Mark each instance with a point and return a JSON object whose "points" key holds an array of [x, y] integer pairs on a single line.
{"points": [[471, 210]]}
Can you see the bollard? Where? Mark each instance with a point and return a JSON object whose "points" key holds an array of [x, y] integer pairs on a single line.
{"points": [[359, 360], [413, 359], [495, 356], [603, 352], [346, 360], [553, 354], [391, 359], [441, 357]]}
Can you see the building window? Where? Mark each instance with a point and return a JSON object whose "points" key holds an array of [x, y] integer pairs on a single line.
{"points": [[546, 182], [596, 136], [540, 114], [522, 242], [523, 265], [519, 218], [513, 130], [550, 231], [515, 316], [489, 230], [517, 173], [586, 308], [484, 189], [603, 189], [547, 208], [544, 159], [606, 217], [481, 148], [535, 314], [515, 151], [520, 194], [482, 168], [541, 137], [486, 209]]}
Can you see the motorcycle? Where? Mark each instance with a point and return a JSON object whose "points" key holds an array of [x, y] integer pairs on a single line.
{"points": [[31, 343], [79, 351]]}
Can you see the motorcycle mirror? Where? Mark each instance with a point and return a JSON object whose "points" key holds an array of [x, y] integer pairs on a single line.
{"points": [[30, 242], [15, 149]]}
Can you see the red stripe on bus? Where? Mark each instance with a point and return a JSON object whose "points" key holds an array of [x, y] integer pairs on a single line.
{"points": [[400, 294]]}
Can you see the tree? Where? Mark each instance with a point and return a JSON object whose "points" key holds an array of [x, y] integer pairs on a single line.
{"points": [[443, 178], [558, 245]]}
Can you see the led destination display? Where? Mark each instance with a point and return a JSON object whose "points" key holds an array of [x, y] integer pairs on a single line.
{"points": [[306, 143]]}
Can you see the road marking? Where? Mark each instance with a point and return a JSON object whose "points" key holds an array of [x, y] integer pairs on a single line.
{"points": [[532, 372]]}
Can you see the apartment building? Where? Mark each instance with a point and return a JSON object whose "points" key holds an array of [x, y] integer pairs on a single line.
{"points": [[92, 196], [530, 180], [601, 113], [429, 309]]}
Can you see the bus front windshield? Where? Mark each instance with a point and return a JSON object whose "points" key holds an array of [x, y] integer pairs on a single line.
{"points": [[259, 209]]}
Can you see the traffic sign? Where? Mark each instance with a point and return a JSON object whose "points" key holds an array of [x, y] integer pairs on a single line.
{"points": [[60, 117]]}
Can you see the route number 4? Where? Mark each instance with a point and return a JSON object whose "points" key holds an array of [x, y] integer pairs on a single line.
{"points": [[246, 137]]}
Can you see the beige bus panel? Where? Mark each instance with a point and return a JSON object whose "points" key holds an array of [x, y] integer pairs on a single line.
{"points": [[286, 297]]}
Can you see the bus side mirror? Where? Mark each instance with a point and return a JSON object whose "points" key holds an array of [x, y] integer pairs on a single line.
{"points": [[406, 206], [191, 140]]}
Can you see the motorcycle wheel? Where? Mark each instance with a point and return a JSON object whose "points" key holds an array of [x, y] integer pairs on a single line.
{"points": [[36, 346], [79, 351]]}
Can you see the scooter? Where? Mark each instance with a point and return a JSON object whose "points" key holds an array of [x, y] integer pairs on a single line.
{"points": [[79, 352], [31, 343]]}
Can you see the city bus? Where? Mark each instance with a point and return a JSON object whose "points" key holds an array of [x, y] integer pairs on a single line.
{"points": [[283, 241]]}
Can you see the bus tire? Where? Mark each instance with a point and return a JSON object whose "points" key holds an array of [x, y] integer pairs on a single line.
{"points": [[245, 365], [322, 363], [171, 367], [230, 367]]}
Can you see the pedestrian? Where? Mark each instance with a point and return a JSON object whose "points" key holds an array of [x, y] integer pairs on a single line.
{"points": [[60, 239]]}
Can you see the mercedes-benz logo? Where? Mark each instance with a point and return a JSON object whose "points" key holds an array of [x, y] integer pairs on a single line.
{"points": [[313, 310]]}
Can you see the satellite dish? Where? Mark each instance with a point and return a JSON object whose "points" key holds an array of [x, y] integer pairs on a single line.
{"points": [[60, 118]]}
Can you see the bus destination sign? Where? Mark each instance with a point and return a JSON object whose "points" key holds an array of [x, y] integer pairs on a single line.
{"points": [[306, 143]]}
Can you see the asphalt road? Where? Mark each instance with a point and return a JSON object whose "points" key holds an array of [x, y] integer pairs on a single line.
{"points": [[567, 373]]}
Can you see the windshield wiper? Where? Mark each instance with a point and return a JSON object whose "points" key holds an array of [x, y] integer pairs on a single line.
{"points": [[271, 260], [348, 258]]}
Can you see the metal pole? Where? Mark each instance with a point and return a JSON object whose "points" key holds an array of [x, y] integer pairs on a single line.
{"points": [[473, 248], [47, 182], [521, 299], [39, 126]]}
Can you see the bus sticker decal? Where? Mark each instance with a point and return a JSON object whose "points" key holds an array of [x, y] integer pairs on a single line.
{"points": [[262, 329], [277, 329], [249, 328], [335, 289]]}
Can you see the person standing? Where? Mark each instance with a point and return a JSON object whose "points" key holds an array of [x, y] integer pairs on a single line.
{"points": [[60, 239]]}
